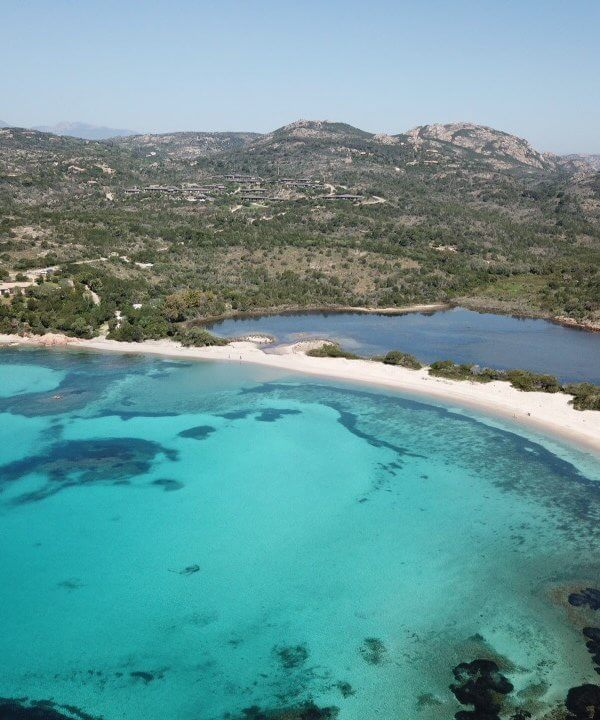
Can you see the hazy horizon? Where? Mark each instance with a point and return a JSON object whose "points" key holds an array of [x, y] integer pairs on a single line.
{"points": [[527, 70]]}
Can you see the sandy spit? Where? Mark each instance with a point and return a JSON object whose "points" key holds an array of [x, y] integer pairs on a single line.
{"points": [[549, 413]]}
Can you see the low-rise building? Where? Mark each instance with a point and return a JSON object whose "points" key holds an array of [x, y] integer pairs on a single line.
{"points": [[13, 288]]}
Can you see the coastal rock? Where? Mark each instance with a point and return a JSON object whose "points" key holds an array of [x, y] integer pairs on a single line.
{"points": [[49, 339]]}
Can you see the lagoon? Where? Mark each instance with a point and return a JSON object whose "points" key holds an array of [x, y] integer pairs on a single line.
{"points": [[499, 341]]}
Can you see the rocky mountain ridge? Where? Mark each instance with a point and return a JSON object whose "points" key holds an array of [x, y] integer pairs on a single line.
{"points": [[588, 158], [505, 149], [459, 141]]}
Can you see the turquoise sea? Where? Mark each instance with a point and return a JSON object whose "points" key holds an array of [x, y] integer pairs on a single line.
{"points": [[183, 541]]}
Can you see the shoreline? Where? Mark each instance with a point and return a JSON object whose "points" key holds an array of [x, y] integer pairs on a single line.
{"points": [[426, 308], [489, 308], [318, 309], [549, 413]]}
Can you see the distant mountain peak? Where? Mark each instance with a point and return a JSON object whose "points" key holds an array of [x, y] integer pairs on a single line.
{"points": [[317, 129], [84, 130]]}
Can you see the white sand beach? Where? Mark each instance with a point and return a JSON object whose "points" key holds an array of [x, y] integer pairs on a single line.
{"points": [[549, 413]]}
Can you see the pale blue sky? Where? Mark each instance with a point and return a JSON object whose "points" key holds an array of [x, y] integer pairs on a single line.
{"points": [[531, 67]]}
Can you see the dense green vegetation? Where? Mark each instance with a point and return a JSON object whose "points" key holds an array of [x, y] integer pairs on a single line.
{"points": [[331, 350], [397, 357], [586, 396], [198, 337], [463, 227]]}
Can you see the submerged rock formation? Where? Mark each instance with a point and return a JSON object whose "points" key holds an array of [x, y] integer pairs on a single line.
{"points": [[80, 463], [481, 684], [309, 711], [593, 645], [589, 596], [23, 709], [583, 702]]}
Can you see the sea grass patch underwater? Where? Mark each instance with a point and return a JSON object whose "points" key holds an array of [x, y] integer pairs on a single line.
{"points": [[75, 463], [217, 541]]}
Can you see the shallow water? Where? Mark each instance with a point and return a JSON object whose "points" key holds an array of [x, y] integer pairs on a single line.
{"points": [[498, 341], [185, 540]]}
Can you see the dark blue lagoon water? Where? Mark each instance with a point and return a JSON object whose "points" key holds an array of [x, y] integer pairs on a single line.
{"points": [[183, 541], [461, 335]]}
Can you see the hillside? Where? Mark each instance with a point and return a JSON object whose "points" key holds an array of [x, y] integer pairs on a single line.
{"points": [[187, 145], [316, 213]]}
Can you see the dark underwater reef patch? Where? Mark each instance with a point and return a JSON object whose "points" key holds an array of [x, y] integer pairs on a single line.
{"points": [[589, 596], [274, 414], [74, 393], [291, 656], [583, 703], [261, 414], [346, 418], [480, 684], [309, 711], [200, 432], [236, 414], [168, 484], [346, 690], [127, 415], [373, 651], [593, 645], [147, 676], [22, 709], [188, 570], [350, 421], [77, 463]]}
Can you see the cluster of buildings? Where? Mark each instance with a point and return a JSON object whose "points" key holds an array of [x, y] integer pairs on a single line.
{"points": [[200, 193], [251, 188]]}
